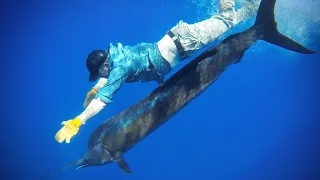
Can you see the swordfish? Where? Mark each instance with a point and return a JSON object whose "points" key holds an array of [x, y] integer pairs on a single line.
{"points": [[120, 133]]}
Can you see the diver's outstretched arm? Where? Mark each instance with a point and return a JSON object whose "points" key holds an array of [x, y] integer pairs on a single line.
{"points": [[71, 127], [106, 92]]}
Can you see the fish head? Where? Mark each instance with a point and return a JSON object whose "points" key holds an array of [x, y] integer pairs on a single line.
{"points": [[97, 156]]}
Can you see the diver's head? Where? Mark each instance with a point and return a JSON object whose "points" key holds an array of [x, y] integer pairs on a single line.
{"points": [[97, 64], [97, 156]]}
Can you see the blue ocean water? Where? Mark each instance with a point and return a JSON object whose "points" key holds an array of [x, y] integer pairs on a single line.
{"points": [[259, 121]]}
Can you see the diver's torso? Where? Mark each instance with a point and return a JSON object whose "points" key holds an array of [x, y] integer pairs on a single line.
{"points": [[140, 61]]}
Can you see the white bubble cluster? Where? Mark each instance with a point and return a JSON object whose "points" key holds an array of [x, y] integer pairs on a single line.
{"points": [[205, 8]]}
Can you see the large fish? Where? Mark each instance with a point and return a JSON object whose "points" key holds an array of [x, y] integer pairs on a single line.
{"points": [[123, 131]]}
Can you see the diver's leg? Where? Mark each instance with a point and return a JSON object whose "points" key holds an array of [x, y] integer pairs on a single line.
{"points": [[198, 35]]}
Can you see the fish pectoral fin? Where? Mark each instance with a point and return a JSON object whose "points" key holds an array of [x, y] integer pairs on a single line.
{"points": [[238, 59], [122, 163]]}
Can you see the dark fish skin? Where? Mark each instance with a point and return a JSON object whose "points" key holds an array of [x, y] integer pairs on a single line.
{"points": [[123, 131]]}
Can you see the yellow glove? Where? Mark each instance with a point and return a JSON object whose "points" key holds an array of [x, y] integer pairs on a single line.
{"points": [[90, 96], [69, 129]]}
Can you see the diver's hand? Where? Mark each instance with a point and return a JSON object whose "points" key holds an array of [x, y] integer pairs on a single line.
{"points": [[90, 96], [70, 128]]}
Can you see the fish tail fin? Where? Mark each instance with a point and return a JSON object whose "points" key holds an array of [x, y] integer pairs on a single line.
{"points": [[267, 25]]}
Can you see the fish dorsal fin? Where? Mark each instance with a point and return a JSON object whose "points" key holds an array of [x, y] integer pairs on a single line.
{"points": [[238, 59], [122, 163]]}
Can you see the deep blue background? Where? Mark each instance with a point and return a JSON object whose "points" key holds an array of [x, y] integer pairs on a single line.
{"points": [[260, 120]]}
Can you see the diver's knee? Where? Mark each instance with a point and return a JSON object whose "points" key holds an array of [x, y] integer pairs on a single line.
{"points": [[225, 6], [227, 12], [229, 18]]}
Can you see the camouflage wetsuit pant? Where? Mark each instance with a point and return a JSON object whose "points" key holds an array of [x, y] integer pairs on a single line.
{"points": [[195, 36]]}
